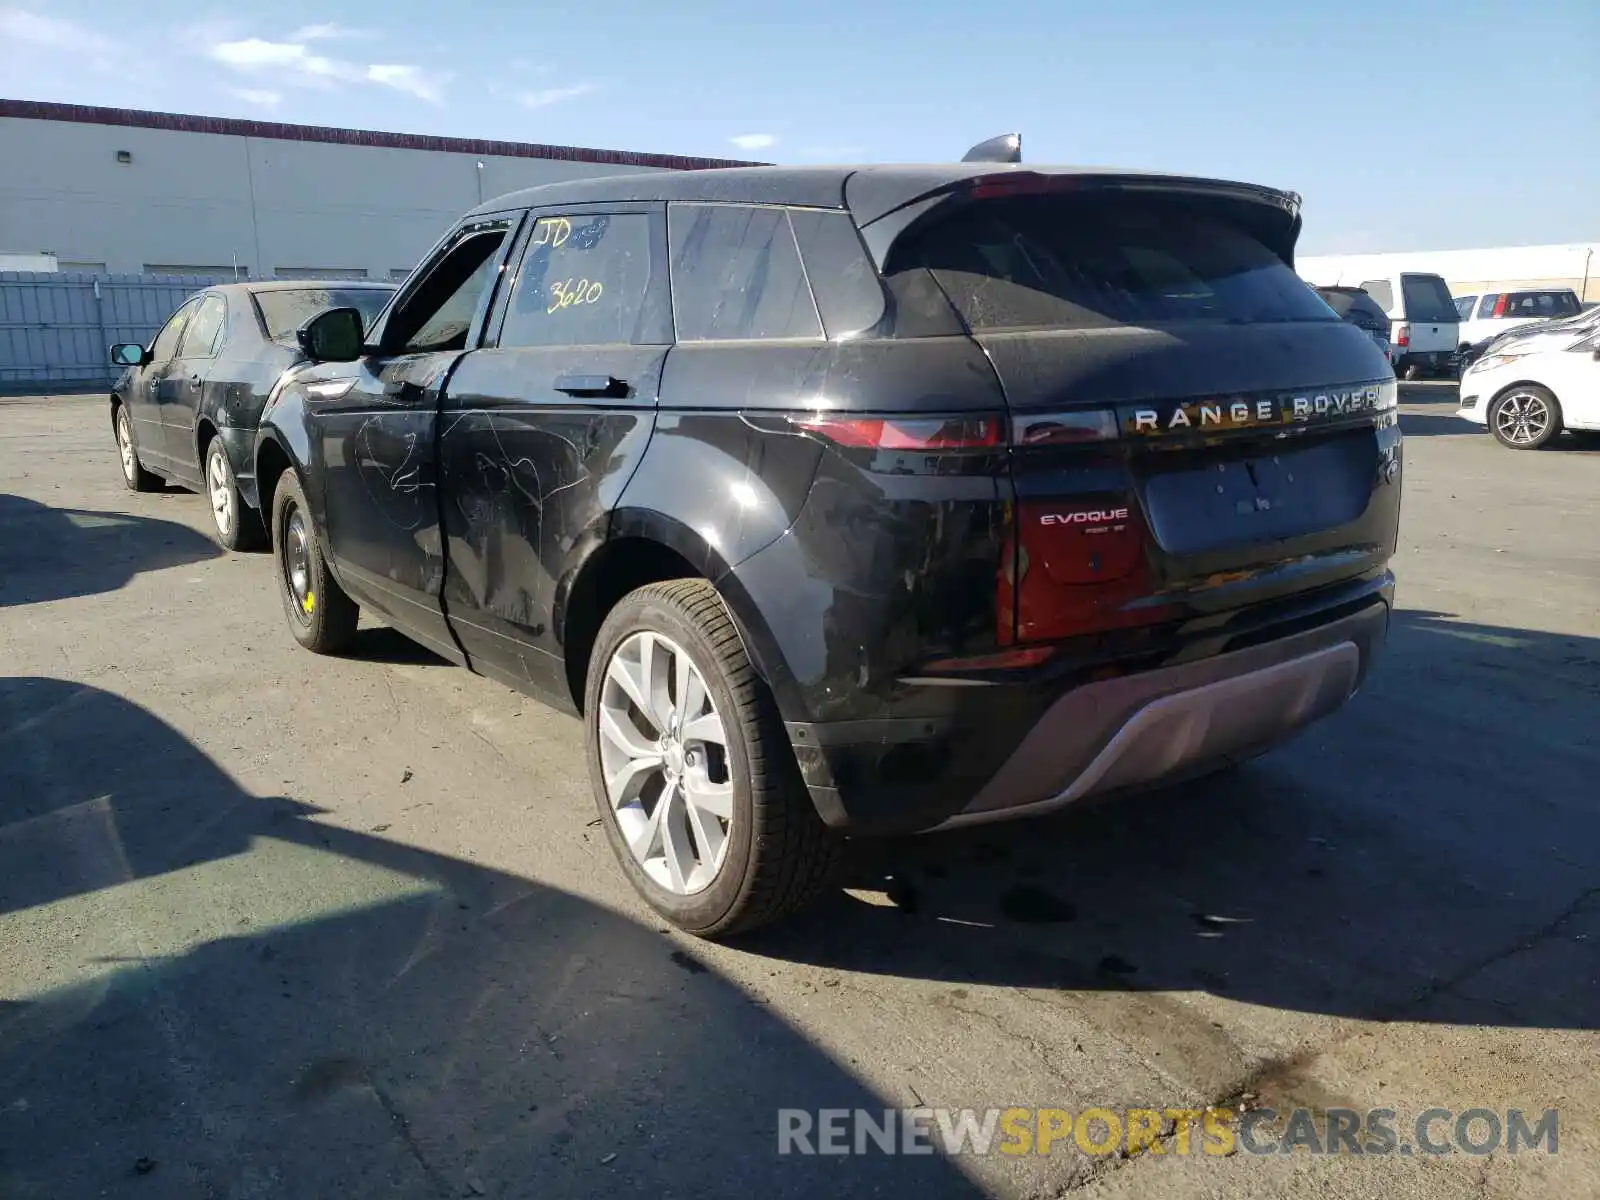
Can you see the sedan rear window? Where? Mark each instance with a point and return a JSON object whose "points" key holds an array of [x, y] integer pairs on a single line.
{"points": [[1427, 298], [1043, 262], [285, 311]]}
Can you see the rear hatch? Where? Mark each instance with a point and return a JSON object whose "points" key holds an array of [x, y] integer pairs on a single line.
{"points": [[1192, 429], [1430, 318]]}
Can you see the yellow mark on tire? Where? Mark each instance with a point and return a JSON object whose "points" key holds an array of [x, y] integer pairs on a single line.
{"points": [[310, 601]]}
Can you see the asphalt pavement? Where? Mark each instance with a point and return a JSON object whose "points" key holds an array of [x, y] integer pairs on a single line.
{"points": [[280, 926]]}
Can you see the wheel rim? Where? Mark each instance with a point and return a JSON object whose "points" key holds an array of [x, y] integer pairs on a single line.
{"points": [[664, 753], [1522, 418], [125, 446], [297, 563], [221, 488]]}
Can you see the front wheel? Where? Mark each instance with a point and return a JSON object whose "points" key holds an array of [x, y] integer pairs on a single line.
{"points": [[1526, 417], [134, 475], [238, 525], [321, 617], [692, 772]]}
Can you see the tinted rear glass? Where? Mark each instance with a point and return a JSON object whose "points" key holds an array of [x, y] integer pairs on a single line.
{"points": [[1541, 304], [1071, 263], [1359, 309], [1427, 298], [284, 312]]}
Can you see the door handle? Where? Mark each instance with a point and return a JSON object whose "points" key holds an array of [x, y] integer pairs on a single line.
{"points": [[194, 381], [592, 385]]}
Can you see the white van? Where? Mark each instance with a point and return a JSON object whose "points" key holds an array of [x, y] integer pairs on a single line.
{"points": [[1422, 321]]}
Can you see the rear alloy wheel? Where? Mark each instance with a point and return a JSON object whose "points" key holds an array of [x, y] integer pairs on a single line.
{"points": [[135, 476], [321, 617], [696, 783], [238, 525], [1526, 417]]}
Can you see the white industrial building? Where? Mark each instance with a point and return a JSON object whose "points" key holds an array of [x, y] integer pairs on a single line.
{"points": [[1575, 266], [122, 190]]}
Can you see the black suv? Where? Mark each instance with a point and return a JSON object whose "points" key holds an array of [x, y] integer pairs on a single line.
{"points": [[843, 501]]}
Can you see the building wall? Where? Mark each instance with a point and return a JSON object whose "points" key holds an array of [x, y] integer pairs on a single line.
{"points": [[202, 200], [1575, 266]]}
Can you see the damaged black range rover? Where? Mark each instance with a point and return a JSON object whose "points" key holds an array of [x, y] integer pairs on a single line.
{"points": [[847, 501]]}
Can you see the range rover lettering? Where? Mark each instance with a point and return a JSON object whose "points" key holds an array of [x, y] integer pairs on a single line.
{"points": [[852, 501]]}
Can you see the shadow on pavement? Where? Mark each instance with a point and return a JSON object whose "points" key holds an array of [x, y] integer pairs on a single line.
{"points": [[335, 1014], [57, 553], [1438, 838]]}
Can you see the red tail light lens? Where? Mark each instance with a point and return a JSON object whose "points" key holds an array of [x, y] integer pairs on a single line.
{"points": [[1500, 305], [899, 433], [1402, 335]]}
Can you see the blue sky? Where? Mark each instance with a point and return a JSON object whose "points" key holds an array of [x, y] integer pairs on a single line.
{"points": [[1411, 124]]}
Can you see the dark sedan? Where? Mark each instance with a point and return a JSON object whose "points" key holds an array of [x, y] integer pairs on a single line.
{"points": [[186, 408]]}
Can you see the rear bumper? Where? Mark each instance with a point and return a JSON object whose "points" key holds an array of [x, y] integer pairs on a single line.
{"points": [[1136, 729], [1438, 361]]}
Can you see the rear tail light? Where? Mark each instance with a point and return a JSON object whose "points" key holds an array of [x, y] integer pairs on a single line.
{"points": [[899, 433], [1402, 335], [1500, 306]]}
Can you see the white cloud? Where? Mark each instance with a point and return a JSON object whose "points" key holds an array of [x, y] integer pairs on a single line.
{"points": [[754, 141], [20, 28], [294, 64], [407, 79], [324, 31], [546, 96], [259, 97]]}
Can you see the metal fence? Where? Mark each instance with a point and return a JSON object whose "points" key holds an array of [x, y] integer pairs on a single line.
{"points": [[56, 328]]}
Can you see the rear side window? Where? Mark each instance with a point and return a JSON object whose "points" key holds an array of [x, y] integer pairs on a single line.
{"points": [[585, 281], [736, 275], [1382, 293], [1031, 262], [203, 338], [1427, 298], [166, 343], [1464, 306], [1486, 305]]}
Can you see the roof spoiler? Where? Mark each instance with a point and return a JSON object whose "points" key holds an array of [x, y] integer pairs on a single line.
{"points": [[1007, 148]]}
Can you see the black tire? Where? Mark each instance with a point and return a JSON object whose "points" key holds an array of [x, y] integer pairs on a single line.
{"points": [[1520, 436], [134, 476], [245, 531], [324, 622], [780, 855], [1413, 372]]}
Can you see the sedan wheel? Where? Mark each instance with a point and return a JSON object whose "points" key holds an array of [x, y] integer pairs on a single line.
{"points": [[134, 475], [1525, 418], [665, 757], [220, 488]]}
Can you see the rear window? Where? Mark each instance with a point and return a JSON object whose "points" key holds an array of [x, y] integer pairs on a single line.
{"points": [[1427, 298], [285, 311], [1541, 304], [1381, 292], [1031, 262]]}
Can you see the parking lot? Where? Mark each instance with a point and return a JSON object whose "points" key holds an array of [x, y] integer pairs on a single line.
{"points": [[275, 925]]}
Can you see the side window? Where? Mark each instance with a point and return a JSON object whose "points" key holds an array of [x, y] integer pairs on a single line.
{"points": [[1464, 307], [438, 315], [1382, 291], [586, 281], [203, 338], [1486, 305], [736, 274], [166, 343]]}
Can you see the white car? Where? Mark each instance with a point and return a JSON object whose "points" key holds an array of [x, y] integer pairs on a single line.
{"points": [[1484, 316], [1528, 392]]}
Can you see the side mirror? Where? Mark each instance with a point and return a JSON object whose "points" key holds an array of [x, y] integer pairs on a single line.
{"points": [[333, 336], [127, 354]]}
